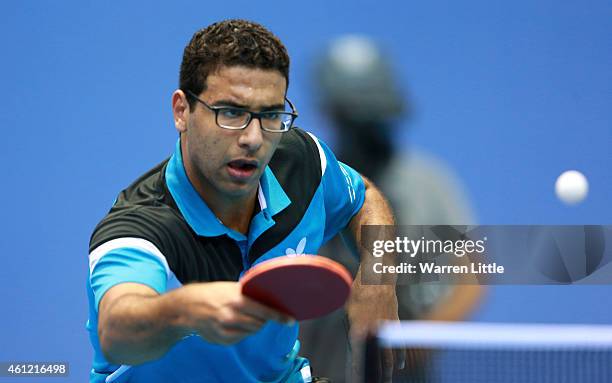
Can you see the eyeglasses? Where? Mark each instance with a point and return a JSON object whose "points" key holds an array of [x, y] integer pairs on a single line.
{"points": [[234, 118]]}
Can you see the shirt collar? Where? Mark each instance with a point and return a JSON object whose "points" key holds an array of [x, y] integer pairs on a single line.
{"points": [[271, 196]]}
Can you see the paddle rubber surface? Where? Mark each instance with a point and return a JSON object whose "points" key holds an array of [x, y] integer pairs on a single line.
{"points": [[304, 286]]}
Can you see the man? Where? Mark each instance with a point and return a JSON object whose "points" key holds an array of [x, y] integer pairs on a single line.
{"points": [[241, 187]]}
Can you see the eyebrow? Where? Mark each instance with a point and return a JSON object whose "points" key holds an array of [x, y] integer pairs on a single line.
{"points": [[276, 107]]}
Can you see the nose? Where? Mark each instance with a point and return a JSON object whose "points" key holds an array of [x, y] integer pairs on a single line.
{"points": [[251, 137]]}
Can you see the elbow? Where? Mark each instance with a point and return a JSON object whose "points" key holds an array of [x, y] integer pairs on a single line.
{"points": [[116, 354], [118, 350], [114, 350], [107, 352], [108, 348]]}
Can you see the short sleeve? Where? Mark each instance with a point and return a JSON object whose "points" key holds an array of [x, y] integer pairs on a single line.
{"points": [[127, 260], [344, 191]]}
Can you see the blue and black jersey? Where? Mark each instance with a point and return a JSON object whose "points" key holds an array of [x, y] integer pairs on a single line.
{"points": [[160, 233]]}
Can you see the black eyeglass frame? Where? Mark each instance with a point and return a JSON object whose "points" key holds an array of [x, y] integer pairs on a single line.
{"points": [[257, 115]]}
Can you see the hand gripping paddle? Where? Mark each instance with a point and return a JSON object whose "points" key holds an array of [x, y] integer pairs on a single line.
{"points": [[304, 286]]}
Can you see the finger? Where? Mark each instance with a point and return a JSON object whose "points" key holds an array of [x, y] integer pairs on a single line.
{"points": [[263, 312], [387, 364], [416, 360], [233, 334], [243, 322], [229, 324], [224, 337], [399, 359]]}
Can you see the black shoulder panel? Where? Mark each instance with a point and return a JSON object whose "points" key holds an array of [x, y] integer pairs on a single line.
{"points": [[146, 210], [297, 166]]}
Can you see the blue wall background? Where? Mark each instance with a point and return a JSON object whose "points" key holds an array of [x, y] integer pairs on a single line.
{"points": [[509, 93]]}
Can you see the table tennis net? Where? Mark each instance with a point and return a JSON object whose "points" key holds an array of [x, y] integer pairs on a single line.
{"points": [[494, 353]]}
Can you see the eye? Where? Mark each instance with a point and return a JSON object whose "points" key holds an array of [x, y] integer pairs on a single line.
{"points": [[232, 113], [272, 116]]}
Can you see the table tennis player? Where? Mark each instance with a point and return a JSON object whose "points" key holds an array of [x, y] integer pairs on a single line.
{"points": [[242, 186]]}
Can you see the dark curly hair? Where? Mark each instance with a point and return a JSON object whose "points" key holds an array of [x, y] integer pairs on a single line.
{"points": [[227, 43]]}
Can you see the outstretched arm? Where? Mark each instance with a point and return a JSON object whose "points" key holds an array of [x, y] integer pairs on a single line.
{"points": [[370, 303], [137, 325]]}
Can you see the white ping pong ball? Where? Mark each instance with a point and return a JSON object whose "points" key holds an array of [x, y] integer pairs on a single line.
{"points": [[571, 187]]}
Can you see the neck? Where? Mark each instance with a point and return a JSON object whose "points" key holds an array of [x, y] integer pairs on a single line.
{"points": [[234, 212], [236, 215]]}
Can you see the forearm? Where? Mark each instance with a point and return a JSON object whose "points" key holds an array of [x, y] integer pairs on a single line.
{"points": [[375, 211], [373, 298], [138, 328]]}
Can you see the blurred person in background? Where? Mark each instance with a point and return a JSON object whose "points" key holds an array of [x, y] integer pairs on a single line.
{"points": [[360, 94]]}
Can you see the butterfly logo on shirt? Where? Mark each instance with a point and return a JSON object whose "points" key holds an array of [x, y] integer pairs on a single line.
{"points": [[299, 250]]}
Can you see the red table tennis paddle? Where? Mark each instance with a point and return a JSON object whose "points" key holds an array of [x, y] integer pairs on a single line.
{"points": [[304, 286]]}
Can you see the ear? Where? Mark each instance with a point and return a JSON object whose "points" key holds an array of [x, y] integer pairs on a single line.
{"points": [[180, 110]]}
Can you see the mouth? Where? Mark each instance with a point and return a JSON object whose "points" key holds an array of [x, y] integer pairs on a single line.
{"points": [[242, 169]]}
